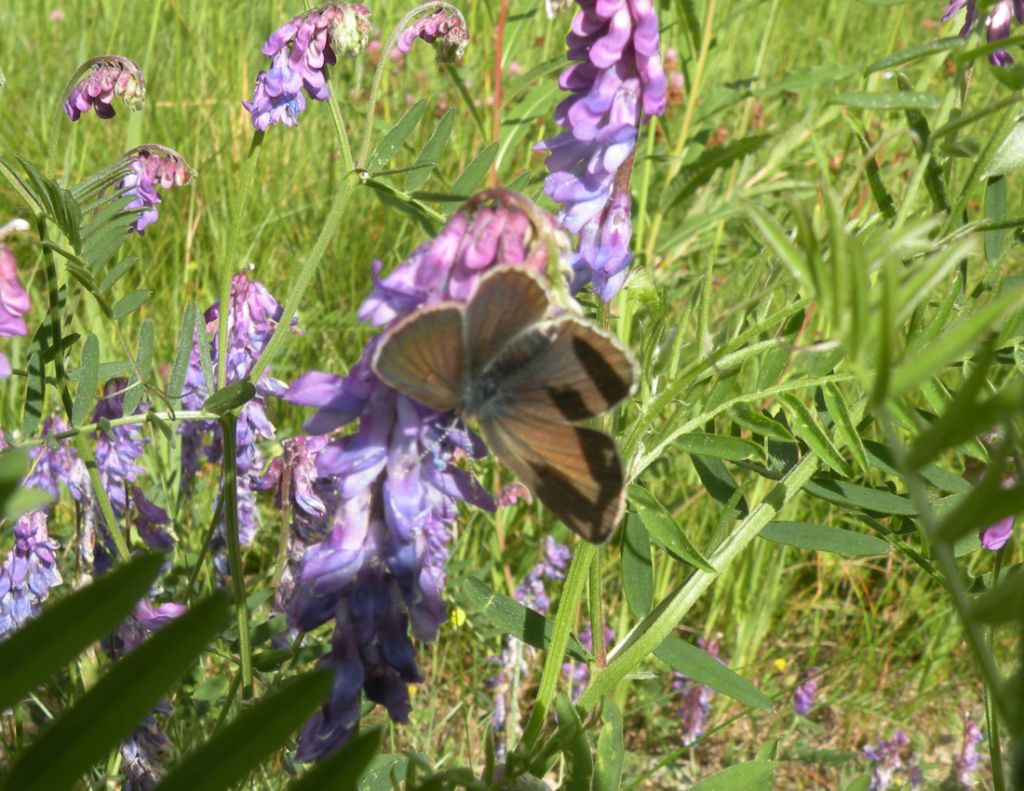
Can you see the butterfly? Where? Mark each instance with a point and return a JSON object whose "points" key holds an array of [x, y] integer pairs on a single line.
{"points": [[526, 379]]}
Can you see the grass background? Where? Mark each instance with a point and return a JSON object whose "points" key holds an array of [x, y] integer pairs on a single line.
{"points": [[885, 638]]}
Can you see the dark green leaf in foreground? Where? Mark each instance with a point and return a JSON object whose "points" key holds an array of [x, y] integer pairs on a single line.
{"points": [[739, 777], [637, 576], [252, 737], [664, 530], [129, 303], [395, 137], [343, 769], [824, 539], [113, 708], [230, 397], [720, 447], [857, 496], [431, 153], [611, 751], [1005, 602], [473, 176], [579, 765], [702, 668], [512, 618], [43, 646]]}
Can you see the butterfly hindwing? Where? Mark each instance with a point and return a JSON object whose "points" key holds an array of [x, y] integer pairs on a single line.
{"points": [[574, 470], [506, 302], [423, 356]]}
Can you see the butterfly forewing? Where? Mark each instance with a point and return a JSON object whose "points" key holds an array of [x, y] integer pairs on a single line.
{"points": [[566, 369], [506, 302], [423, 356], [575, 471]]}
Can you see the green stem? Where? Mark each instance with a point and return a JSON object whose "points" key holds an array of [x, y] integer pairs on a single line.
{"points": [[568, 605], [128, 420], [229, 259], [230, 493], [596, 610]]}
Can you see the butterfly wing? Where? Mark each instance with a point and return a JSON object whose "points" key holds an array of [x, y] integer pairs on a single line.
{"points": [[566, 369], [575, 471], [508, 300], [424, 357]]}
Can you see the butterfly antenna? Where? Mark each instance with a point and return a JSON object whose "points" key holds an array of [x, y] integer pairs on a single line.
{"points": [[429, 450]]}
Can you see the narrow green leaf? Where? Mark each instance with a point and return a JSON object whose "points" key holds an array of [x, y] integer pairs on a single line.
{"points": [[512, 618], [637, 576], [473, 176], [861, 783], [43, 646], [579, 765], [696, 174], [749, 418], [915, 53], [252, 737], [117, 271], [143, 361], [385, 773], [995, 212], [85, 395], [824, 539], [888, 100], [791, 256], [35, 387], [803, 424], [230, 397], [431, 153], [23, 501], [129, 303], [702, 668], [395, 137], [611, 752], [720, 447], [738, 777], [15, 499], [186, 336], [664, 530], [1009, 155], [880, 457], [855, 496], [839, 411], [113, 708], [343, 769]]}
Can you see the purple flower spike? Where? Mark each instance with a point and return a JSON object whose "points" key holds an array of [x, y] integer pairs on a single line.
{"points": [[445, 29], [300, 52], [966, 763], [893, 757], [694, 699], [616, 82], [150, 167], [997, 23], [28, 573], [803, 696], [14, 303], [106, 78]]}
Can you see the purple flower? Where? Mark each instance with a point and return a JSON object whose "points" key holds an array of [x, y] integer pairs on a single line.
{"points": [[144, 620], [300, 52], [997, 23], [891, 758], [532, 590], [380, 570], [617, 80], [107, 77], [445, 29], [14, 303], [28, 573], [966, 763], [995, 537], [694, 699], [578, 673], [145, 753], [149, 167], [803, 696]]}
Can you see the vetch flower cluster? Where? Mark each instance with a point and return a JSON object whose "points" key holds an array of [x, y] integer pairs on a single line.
{"points": [[997, 23], [380, 571], [695, 699], [28, 572], [616, 81], [967, 761], [300, 52], [14, 304], [445, 29], [149, 167], [892, 757], [107, 77], [803, 696]]}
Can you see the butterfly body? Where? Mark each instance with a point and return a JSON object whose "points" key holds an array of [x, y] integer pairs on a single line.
{"points": [[525, 379]]}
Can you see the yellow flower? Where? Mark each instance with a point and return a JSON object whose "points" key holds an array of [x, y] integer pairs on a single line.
{"points": [[457, 617], [780, 664]]}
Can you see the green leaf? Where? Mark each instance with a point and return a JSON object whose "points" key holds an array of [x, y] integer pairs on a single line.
{"points": [[85, 395], [385, 773], [611, 752], [1004, 602], [230, 397], [664, 530], [35, 387], [431, 153], [15, 499], [702, 668], [117, 271], [792, 257], [143, 361], [579, 765], [396, 137], [888, 100], [637, 576], [839, 411], [113, 708], [510, 617], [129, 303], [738, 777], [855, 496], [995, 212], [1009, 155], [473, 176], [824, 539], [252, 737], [985, 505], [863, 782], [720, 447], [803, 424], [915, 53], [749, 418], [696, 174], [343, 769], [186, 336], [44, 645]]}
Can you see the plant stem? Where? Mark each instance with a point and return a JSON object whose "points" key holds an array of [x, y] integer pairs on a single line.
{"points": [[230, 494]]}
